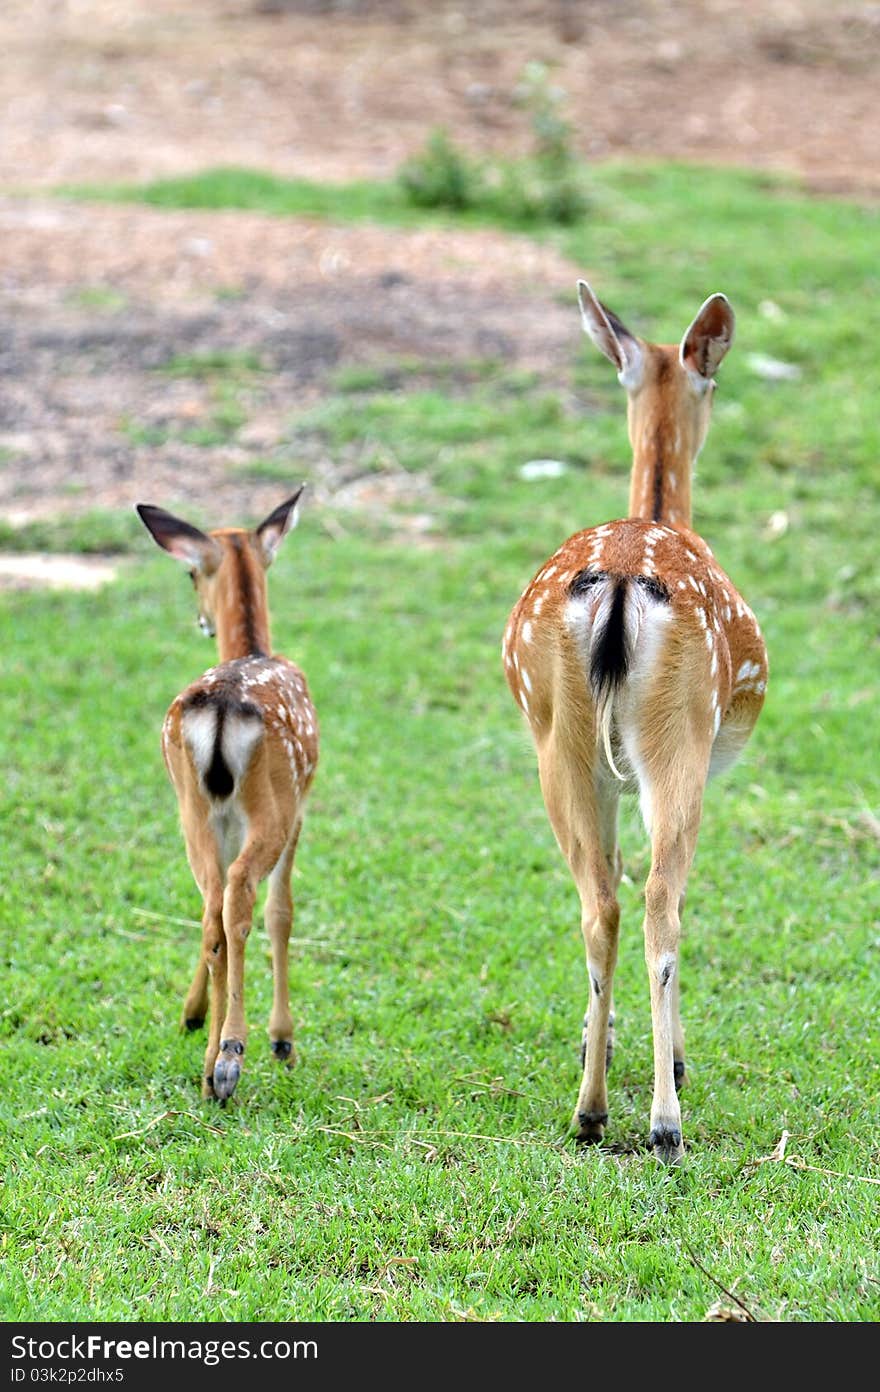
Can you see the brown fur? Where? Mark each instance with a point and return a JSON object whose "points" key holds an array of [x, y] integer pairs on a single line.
{"points": [[258, 708], [695, 684]]}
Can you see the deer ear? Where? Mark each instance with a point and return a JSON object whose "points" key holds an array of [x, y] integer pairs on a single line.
{"points": [[611, 337], [274, 529], [709, 337], [181, 540]]}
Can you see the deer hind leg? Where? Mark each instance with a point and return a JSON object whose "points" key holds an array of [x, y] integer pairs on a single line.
{"points": [[607, 800], [278, 918], [202, 853], [676, 802], [584, 818], [261, 853], [211, 969]]}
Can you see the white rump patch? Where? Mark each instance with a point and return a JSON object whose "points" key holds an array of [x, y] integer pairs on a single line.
{"points": [[646, 621], [199, 727], [240, 736]]}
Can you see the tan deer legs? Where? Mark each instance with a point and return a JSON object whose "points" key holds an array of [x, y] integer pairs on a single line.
{"points": [[278, 918], [195, 1007], [201, 850], [260, 855], [597, 880], [583, 813], [215, 952], [675, 823], [211, 966]]}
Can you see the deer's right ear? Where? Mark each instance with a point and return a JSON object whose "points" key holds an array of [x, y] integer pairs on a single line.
{"points": [[181, 540], [611, 337]]}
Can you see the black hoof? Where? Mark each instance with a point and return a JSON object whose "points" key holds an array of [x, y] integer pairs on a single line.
{"points": [[227, 1068], [678, 1074], [194, 1022], [282, 1048], [589, 1127], [666, 1144]]}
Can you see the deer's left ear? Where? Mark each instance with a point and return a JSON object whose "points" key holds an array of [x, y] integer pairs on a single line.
{"points": [[180, 539], [709, 337], [274, 529]]}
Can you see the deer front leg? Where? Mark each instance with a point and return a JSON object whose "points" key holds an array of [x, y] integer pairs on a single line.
{"points": [[195, 1007], [679, 1070], [278, 919]]}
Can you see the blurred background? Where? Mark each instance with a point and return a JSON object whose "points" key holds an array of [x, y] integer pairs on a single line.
{"points": [[340, 89], [97, 95]]}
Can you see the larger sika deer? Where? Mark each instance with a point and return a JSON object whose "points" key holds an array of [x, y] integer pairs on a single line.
{"points": [[241, 746], [640, 669]]}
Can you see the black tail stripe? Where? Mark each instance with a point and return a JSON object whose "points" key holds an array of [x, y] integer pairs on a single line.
{"points": [[218, 776], [609, 660]]}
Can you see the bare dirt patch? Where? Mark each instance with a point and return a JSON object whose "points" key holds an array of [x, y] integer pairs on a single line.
{"points": [[122, 89], [38, 571], [95, 301], [98, 301]]}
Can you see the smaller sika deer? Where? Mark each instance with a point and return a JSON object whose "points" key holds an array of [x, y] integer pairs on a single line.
{"points": [[241, 746], [639, 669]]}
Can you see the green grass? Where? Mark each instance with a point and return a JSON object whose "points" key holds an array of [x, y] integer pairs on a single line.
{"points": [[249, 189], [96, 299], [227, 365], [93, 532], [414, 1165], [516, 202]]}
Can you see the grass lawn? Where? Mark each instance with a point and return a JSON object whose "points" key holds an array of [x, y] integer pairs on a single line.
{"points": [[415, 1163]]}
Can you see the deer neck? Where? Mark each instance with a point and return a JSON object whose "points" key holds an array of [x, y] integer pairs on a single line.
{"points": [[241, 611], [663, 456]]}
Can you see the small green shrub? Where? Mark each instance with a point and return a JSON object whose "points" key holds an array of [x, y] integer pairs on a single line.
{"points": [[547, 186], [441, 176]]}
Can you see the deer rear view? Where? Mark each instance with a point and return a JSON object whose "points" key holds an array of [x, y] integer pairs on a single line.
{"points": [[639, 669], [241, 746]]}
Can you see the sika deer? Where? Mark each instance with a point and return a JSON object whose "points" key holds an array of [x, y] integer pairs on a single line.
{"points": [[241, 746], [640, 669]]}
